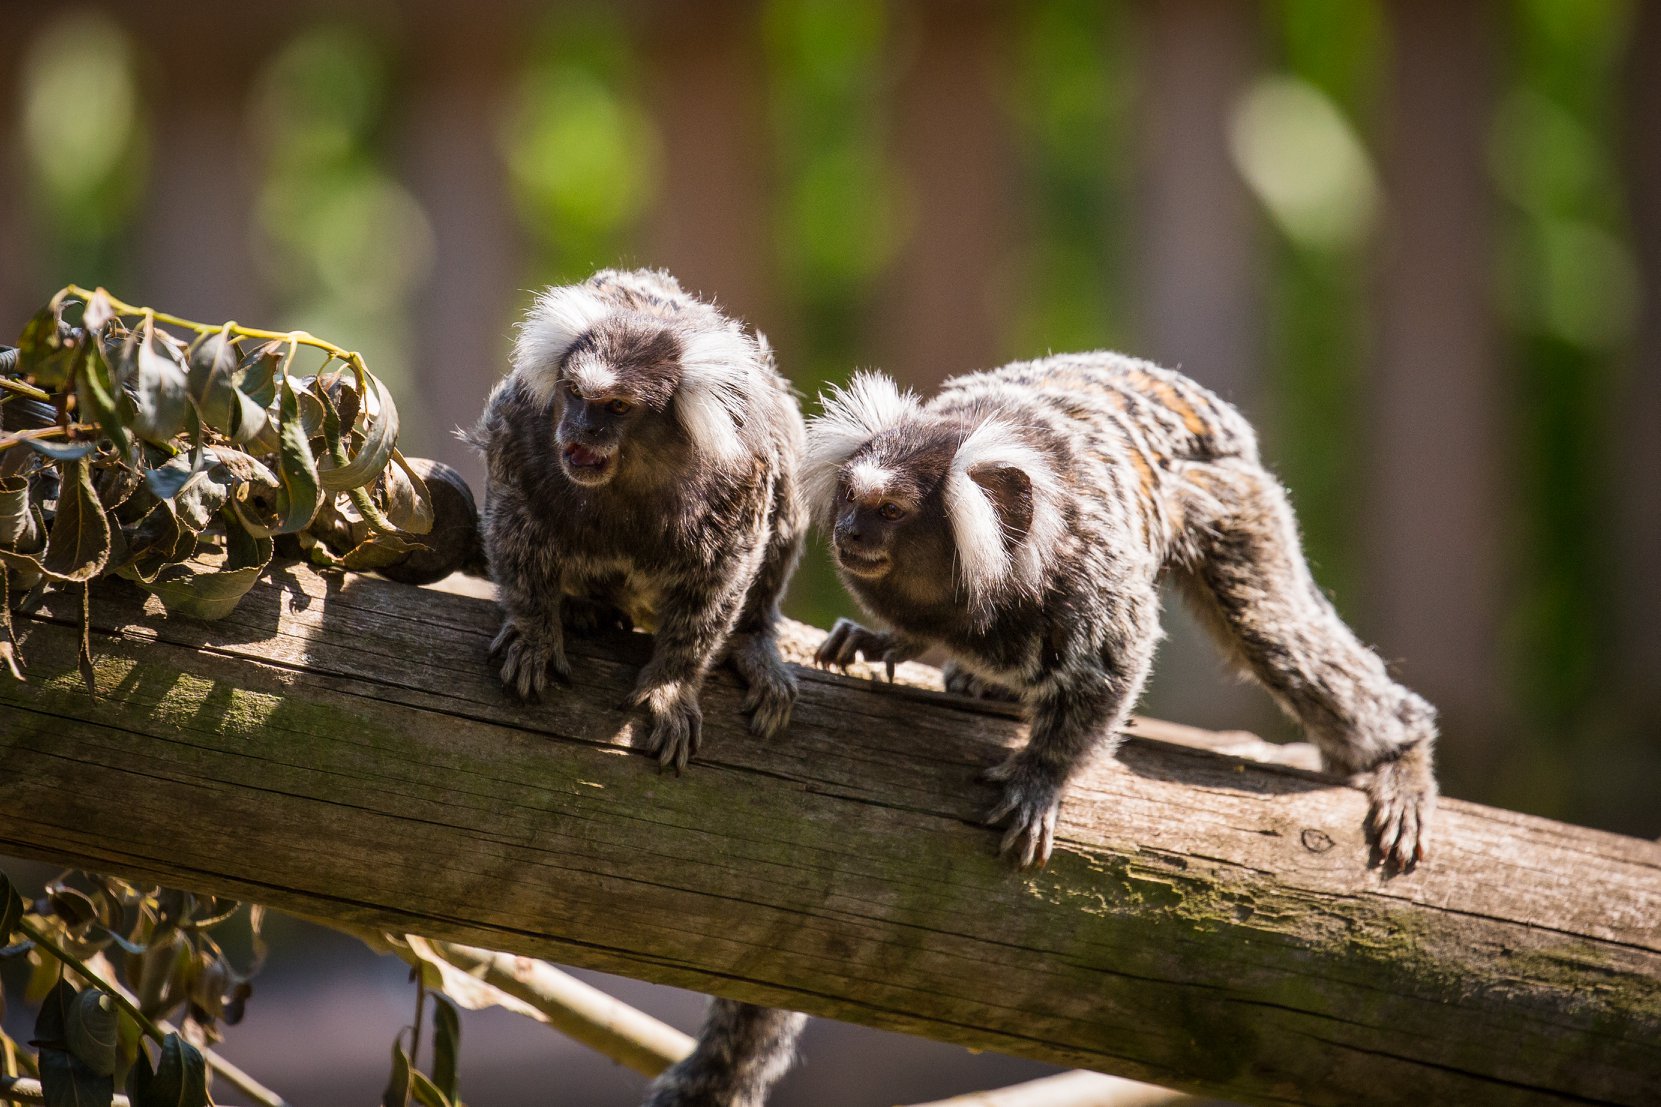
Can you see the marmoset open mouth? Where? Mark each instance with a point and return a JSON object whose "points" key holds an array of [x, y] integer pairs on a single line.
{"points": [[582, 462]]}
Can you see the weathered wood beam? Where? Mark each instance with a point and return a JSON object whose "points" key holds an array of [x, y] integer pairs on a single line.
{"points": [[338, 748]]}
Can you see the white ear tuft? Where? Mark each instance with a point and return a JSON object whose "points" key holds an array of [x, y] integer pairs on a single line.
{"points": [[555, 323], [852, 416], [986, 563], [715, 369]]}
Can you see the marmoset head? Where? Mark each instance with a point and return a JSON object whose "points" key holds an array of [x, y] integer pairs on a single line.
{"points": [[625, 388], [929, 503]]}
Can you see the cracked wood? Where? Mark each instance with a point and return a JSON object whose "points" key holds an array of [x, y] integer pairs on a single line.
{"points": [[338, 747]]}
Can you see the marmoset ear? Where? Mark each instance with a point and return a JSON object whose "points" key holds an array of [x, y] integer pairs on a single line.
{"points": [[851, 417], [997, 493], [557, 321], [1010, 491], [716, 366]]}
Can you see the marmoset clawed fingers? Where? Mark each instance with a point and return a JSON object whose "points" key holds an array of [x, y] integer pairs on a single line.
{"points": [[527, 660], [848, 642], [675, 723], [1031, 801], [1403, 794]]}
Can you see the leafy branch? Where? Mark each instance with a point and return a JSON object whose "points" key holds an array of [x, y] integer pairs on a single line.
{"points": [[184, 459]]}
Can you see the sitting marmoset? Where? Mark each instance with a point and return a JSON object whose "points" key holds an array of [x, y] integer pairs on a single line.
{"points": [[1022, 520], [642, 470]]}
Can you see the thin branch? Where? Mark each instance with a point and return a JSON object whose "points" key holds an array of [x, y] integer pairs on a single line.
{"points": [[14, 438], [580, 1011], [24, 388], [303, 338], [24, 1089], [154, 1032], [1071, 1089]]}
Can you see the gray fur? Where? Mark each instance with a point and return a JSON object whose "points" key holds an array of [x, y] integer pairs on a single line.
{"points": [[741, 1053], [1086, 478], [679, 513]]}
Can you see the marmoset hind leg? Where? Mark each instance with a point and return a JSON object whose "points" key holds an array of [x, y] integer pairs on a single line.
{"points": [[742, 1052], [1252, 584]]}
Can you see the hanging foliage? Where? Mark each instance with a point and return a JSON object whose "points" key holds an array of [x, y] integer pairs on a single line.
{"points": [[178, 455]]}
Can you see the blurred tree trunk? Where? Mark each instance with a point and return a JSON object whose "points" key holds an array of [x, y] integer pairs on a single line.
{"points": [[1201, 262], [18, 296], [1436, 508], [944, 307], [1635, 423], [460, 69], [707, 89], [194, 249], [1199, 268]]}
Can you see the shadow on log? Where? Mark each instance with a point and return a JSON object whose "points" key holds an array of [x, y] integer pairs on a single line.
{"points": [[339, 748]]}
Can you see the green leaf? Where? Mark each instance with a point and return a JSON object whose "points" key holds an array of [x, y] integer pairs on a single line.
{"points": [[43, 352], [409, 503], [98, 313], [101, 398], [11, 909], [161, 388], [90, 1032], [446, 1046], [52, 1023], [208, 590], [299, 493], [214, 367], [158, 540], [377, 552], [67, 1081], [79, 544], [257, 375], [398, 1084], [380, 435], [20, 527], [80, 538], [59, 450], [426, 1092], [165, 480], [180, 1078]]}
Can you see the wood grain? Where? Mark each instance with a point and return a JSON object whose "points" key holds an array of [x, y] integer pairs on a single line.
{"points": [[338, 748]]}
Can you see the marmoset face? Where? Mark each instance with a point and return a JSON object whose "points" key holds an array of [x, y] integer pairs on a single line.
{"points": [[888, 514], [591, 431], [609, 401]]}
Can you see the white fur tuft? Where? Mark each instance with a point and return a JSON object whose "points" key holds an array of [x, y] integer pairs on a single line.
{"points": [[715, 367], [867, 478], [591, 376], [852, 416], [558, 319], [986, 563]]}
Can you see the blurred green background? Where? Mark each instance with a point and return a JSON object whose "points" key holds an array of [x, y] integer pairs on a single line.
{"points": [[1418, 242]]}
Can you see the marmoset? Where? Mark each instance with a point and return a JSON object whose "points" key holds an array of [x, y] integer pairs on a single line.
{"points": [[643, 458], [1022, 520]]}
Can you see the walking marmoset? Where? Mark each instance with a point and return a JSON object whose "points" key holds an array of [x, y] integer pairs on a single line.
{"points": [[643, 458], [1022, 520]]}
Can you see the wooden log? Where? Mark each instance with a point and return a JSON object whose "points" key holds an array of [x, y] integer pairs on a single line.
{"points": [[339, 748]]}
